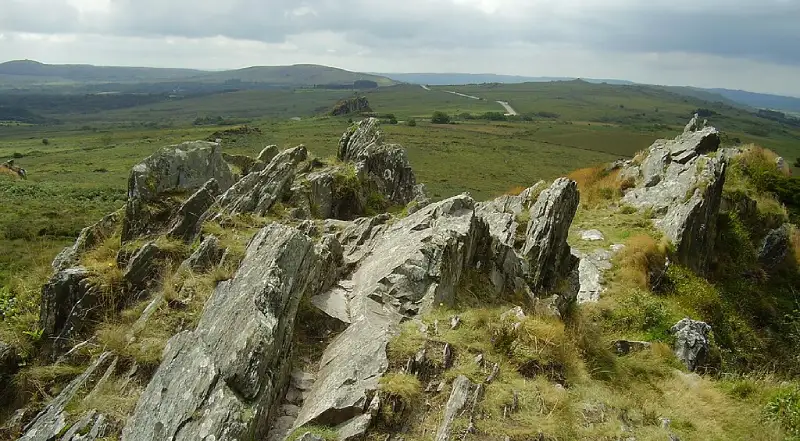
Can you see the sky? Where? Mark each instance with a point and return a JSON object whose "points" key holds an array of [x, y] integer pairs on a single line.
{"points": [[739, 44]]}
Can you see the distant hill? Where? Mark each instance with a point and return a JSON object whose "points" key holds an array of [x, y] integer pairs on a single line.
{"points": [[761, 100], [456, 79], [27, 72]]}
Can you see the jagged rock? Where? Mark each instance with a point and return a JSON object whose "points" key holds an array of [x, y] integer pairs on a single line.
{"points": [[683, 188], [257, 192], [355, 428], [591, 268], [243, 162], [268, 153], [179, 168], [351, 105], [143, 268], [88, 238], [413, 264], [592, 235], [9, 361], [51, 423], [221, 381], [459, 397], [207, 255], [691, 342], [67, 301], [546, 248], [188, 218], [625, 347], [381, 168], [775, 246]]}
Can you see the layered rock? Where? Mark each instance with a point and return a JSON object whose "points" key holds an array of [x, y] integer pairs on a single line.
{"points": [[682, 187], [459, 397], [207, 255], [68, 299], [691, 342], [351, 105], [221, 381], [188, 218], [88, 238], [176, 169]]}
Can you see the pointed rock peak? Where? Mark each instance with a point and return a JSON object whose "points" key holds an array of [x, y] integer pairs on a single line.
{"points": [[358, 138]]}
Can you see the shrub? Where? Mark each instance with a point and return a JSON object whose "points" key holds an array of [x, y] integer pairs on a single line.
{"points": [[411, 122], [784, 407], [440, 118], [45, 141]]}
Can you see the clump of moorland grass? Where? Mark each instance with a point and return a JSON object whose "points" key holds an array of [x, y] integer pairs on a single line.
{"points": [[598, 186]]}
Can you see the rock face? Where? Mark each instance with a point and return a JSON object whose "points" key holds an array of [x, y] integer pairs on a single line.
{"points": [[188, 218], [175, 169], [207, 255], [257, 192], [408, 267], [67, 300], [591, 268], [351, 105], [775, 246], [221, 381], [683, 188], [691, 342], [88, 238]]}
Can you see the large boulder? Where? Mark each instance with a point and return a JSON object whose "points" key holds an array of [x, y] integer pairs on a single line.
{"points": [[348, 106], [176, 169], [221, 381], [775, 246], [410, 266], [87, 239], [691, 342], [682, 187], [257, 192], [206, 256]]}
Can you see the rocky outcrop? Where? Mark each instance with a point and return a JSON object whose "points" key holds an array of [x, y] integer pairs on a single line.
{"points": [[187, 221], [143, 268], [591, 269], [176, 169], [257, 192], [775, 246], [413, 264], [87, 239], [351, 105], [221, 381], [691, 342], [546, 248], [67, 301], [206, 256], [682, 187]]}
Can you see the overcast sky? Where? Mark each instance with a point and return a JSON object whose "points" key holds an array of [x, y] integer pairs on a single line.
{"points": [[743, 44]]}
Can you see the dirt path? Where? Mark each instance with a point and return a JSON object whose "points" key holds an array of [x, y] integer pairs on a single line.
{"points": [[509, 110]]}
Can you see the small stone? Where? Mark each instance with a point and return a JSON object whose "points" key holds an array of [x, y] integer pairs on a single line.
{"points": [[290, 410], [592, 235], [691, 342], [302, 380]]}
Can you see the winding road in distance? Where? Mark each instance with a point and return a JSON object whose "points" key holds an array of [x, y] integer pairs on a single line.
{"points": [[509, 110]]}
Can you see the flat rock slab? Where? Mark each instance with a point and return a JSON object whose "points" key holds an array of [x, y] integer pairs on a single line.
{"points": [[592, 235]]}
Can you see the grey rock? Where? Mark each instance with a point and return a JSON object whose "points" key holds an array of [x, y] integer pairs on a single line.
{"points": [[459, 397], [51, 422], [630, 173], [179, 168], [302, 380], [780, 164], [354, 429], [257, 192], [223, 381], [412, 265], [243, 162], [144, 267], [591, 268], [308, 436], [87, 239], [188, 218], [654, 165], [625, 347], [268, 153], [546, 248], [592, 235], [290, 410], [684, 157], [206, 256], [67, 303], [358, 138], [351, 105], [9, 361], [691, 342], [775, 246]]}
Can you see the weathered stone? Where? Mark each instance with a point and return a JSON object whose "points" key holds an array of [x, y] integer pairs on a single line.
{"points": [[414, 264], [207, 255], [9, 361], [592, 235], [87, 239], [67, 301], [221, 381], [591, 268], [175, 169], [144, 267], [654, 165], [188, 218], [51, 422], [257, 192], [354, 429], [351, 105], [459, 397], [625, 347], [775, 246], [268, 153], [308, 436], [243, 162], [546, 248], [691, 342]]}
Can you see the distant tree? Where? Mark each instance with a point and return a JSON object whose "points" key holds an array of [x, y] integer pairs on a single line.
{"points": [[465, 116], [365, 84], [704, 113], [45, 141], [494, 116], [440, 118], [412, 122], [621, 106]]}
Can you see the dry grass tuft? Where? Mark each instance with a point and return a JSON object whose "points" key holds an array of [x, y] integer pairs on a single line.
{"points": [[597, 186], [516, 190], [641, 258]]}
